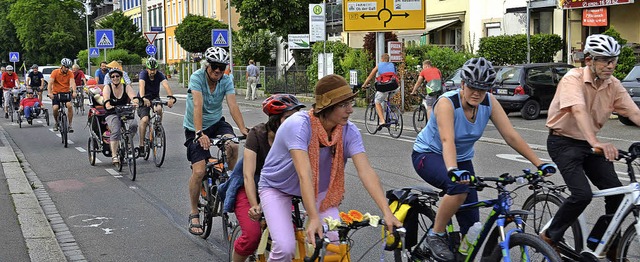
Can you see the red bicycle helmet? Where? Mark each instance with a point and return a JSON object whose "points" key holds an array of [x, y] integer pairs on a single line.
{"points": [[280, 103]]}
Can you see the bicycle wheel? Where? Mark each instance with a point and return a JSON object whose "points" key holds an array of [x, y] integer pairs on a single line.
{"points": [[131, 158], [417, 226], [235, 234], [81, 102], [419, 118], [526, 247], [206, 208], [395, 121], [19, 120], [629, 245], [92, 148], [225, 227], [63, 129], [10, 107], [371, 119], [544, 207], [46, 115], [159, 141], [121, 154]]}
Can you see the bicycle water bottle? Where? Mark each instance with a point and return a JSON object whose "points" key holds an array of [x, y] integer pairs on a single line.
{"points": [[470, 238]]}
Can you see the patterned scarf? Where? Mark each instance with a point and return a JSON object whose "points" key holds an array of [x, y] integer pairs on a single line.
{"points": [[319, 138]]}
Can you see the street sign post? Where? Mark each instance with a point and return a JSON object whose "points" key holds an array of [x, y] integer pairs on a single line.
{"points": [[14, 57], [94, 52], [151, 50], [317, 23], [151, 36], [394, 49], [220, 37], [156, 29], [105, 38], [378, 15], [298, 41]]}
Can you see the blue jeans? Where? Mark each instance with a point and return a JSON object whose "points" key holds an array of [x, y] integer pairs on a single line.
{"points": [[431, 168], [28, 109]]}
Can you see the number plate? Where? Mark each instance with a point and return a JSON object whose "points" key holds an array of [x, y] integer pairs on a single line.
{"points": [[502, 91]]}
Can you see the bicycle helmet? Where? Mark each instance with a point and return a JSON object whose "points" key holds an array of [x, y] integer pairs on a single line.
{"points": [[601, 45], [478, 73], [152, 63], [216, 54], [115, 70], [280, 103], [66, 62], [9, 68], [34, 66]]}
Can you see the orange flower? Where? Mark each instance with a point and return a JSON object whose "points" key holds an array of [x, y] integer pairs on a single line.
{"points": [[355, 215], [346, 218]]}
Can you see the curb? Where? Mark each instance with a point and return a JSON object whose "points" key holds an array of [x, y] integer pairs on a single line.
{"points": [[40, 239]]}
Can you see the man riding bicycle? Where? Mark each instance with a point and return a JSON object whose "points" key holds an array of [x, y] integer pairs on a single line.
{"points": [[584, 100], [35, 80], [149, 89], [8, 82], [62, 88], [203, 119]]}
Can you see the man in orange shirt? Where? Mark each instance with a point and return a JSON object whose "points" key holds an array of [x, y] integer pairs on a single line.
{"points": [[584, 100], [62, 88]]}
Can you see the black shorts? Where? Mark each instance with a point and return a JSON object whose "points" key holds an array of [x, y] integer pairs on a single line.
{"points": [[144, 111], [195, 152], [60, 98]]}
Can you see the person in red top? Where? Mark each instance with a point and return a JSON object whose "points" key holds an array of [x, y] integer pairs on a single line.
{"points": [[78, 75], [29, 104], [432, 77], [8, 81]]}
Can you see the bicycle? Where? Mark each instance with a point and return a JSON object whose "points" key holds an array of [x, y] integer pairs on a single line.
{"points": [[216, 173], [63, 125], [126, 150], [420, 114], [155, 139], [392, 113], [78, 101], [594, 245], [499, 243]]}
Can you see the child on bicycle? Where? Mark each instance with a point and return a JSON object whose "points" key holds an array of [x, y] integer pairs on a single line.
{"points": [[242, 191], [307, 159], [444, 148]]}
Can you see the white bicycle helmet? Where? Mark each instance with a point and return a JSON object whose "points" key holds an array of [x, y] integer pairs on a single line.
{"points": [[478, 73], [216, 54], [9, 68], [601, 45], [66, 62]]}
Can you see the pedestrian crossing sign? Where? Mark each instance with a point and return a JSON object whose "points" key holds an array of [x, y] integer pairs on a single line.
{"points": [[220, 37], [14, 57], [105, 38], [94, 52]]}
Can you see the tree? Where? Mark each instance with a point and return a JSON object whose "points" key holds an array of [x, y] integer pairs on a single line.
{"points": [[370, 42], [48, 29], [626, 59], [8, 37], [126, 33], [257, 46], [194, 32]]}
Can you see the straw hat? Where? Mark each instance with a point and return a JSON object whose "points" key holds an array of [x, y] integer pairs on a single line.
{"points": [[114, 64], [331, 90]]}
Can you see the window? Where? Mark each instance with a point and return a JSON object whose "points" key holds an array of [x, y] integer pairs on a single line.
{"points": [[540, 76], [560, 72], [159, 44], [542, 22], [492, 29]]}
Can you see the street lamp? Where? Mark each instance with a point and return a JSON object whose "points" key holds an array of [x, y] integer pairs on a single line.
{"points": [[87, 12]]}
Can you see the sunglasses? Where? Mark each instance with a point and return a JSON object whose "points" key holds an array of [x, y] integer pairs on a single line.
{"points": [[218, 66], [115, 76]]}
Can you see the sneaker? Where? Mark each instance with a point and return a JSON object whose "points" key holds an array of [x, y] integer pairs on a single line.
{"points": [[55, 128], [30, 121], [439, 247], [548, 240], [70, 129]]}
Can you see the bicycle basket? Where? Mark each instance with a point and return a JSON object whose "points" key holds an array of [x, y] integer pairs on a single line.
{"points": [[125, 112]]}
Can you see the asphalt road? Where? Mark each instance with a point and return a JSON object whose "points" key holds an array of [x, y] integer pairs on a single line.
{"points": [[112, 218]]}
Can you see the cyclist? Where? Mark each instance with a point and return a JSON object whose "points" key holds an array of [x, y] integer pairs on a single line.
{"points": [[9, 81], [62, 88], [307, 159], [583, 102], [2, 70], [149, 89], [444, 148], [101, 72], [35, 80], [432, 77], [29, 105], [125, 77], [208, 87], [78, 75], [387, 73], [242, 193], [117, 94]]}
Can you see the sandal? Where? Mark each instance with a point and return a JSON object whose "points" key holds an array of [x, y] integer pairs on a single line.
{"points": [[192, 225]]}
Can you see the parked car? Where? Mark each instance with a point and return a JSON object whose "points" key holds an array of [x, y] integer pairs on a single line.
{"points": [[528, 88], [632, 83]]}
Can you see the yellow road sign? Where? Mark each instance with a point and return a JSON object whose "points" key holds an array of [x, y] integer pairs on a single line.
{"points": [[383, 15]]}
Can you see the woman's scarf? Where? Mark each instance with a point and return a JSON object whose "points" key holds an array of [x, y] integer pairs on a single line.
{"points": [[320, 138]]}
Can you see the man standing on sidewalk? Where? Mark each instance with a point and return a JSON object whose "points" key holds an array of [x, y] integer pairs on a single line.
{"points": [[252, 80]]}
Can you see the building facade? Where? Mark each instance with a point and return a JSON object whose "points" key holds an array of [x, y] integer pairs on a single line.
{"points": [[155, 20]]}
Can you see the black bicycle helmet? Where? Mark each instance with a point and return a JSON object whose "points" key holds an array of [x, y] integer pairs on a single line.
{"points": [[478, 73]]}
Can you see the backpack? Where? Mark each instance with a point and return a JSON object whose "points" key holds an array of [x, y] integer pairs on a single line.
{"points": [[434, 87], [387, 82]]}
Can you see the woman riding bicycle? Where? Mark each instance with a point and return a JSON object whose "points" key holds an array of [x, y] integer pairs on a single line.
{"points": [[307, 159], [444, 148], [116, 94], [242, 192]]}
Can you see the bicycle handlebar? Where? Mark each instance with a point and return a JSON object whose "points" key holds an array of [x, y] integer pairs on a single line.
{"points": [[220, 141]]}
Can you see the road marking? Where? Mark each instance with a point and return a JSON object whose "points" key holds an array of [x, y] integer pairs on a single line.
{"points": [[68, 141], [113, 172], [81, 149], [98, 161], [172, 113], [519, 158]]}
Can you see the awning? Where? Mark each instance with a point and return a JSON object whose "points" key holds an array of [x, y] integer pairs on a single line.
{"points": [[437, 25]]}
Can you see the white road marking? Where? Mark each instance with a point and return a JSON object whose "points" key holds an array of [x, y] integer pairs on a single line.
{"points": [[172, 113], [113, 172], [98, 161], [519, 158], [81, 149]]}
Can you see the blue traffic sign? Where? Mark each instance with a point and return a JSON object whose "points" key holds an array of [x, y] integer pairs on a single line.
{"points": [[14, 56], [151, 49], [220, 37], [105, 38], [156, 29], [94, 52]]}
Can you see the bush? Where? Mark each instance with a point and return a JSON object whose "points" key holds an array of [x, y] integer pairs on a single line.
{"points": [[626, 60], [356, 59], [512, 49], [339, 51], [443, 58]]}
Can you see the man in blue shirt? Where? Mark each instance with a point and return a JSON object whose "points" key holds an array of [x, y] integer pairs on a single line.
{"points": [[203, 119], [101, 72]]}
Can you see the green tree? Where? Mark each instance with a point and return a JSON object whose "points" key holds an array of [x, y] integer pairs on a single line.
{"points": [[357, 59], [8, 38], [370, 42], [627, 59], [48, 29], [194, 32], [257, 46], [339, 51], [126, 33]]}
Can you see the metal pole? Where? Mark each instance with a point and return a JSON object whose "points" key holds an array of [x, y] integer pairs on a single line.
{"points": [[324, 43], [568, 17], [230, 37], [87, 9], [528, 32]]}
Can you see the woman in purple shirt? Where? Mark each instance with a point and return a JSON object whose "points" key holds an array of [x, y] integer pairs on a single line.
{"points": [[307, 159]]}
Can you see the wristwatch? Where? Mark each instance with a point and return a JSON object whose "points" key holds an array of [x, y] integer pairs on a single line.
{"points": [[199, 133]]}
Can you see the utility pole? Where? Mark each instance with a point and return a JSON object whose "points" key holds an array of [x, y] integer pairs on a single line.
{"points": [[87, 12], [528, 31]]}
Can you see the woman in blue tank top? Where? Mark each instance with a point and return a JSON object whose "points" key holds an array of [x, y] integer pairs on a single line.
{"points": [[444, 148]]}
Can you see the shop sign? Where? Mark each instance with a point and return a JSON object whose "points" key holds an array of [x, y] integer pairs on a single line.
{"points": [[594, 17], [572, 4]]}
